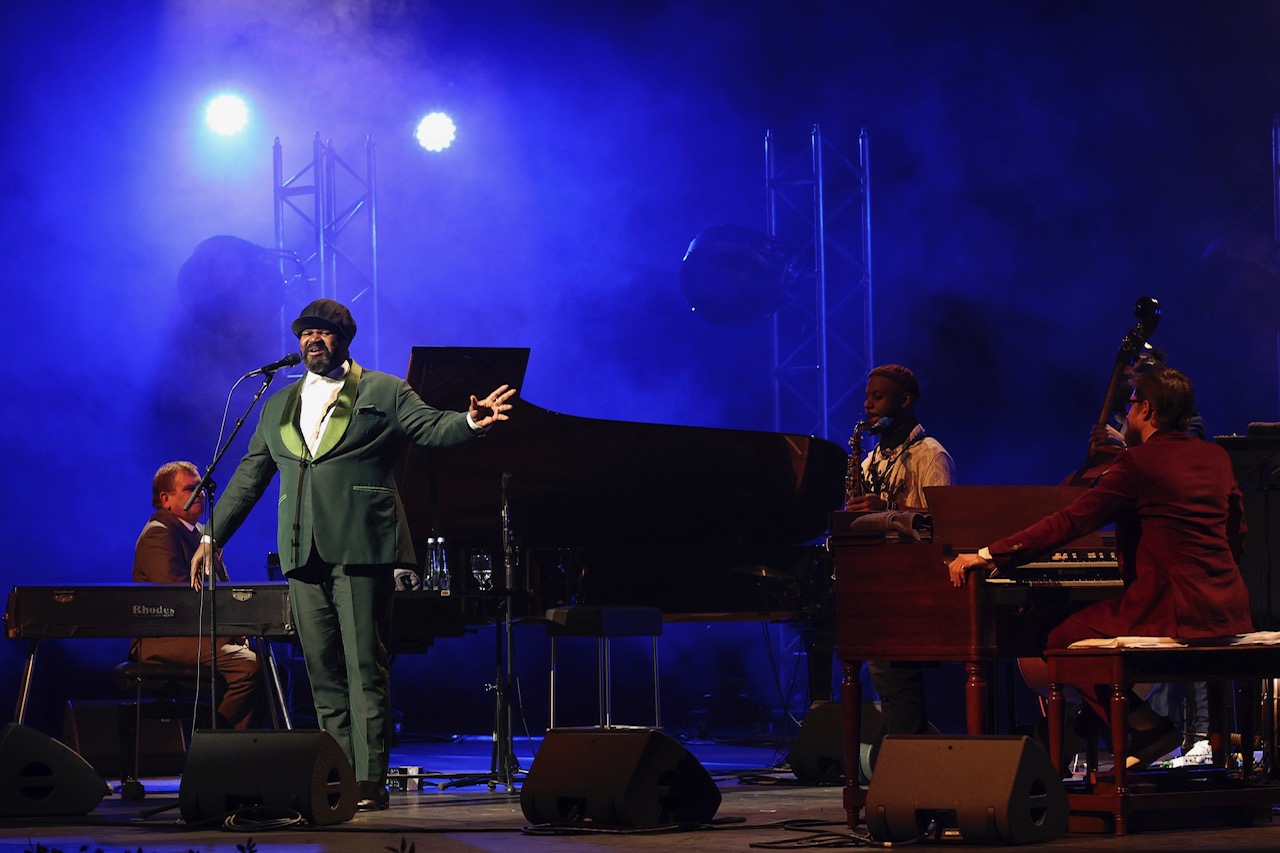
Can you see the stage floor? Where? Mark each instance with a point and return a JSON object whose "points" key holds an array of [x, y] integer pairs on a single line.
{"points": [[763, 806]]}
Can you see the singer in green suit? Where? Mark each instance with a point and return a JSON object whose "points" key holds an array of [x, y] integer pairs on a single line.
{"points": [[335, 437]]}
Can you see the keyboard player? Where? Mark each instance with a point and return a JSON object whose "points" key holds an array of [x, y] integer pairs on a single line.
{"points": [[163, 555], [894, 476], [1179, 532]]}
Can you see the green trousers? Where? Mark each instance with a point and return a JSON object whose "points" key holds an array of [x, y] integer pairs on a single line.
{"points": [[343, 616]]}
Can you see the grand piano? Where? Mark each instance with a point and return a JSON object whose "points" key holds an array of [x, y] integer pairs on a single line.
{"points": [[702, 523]]}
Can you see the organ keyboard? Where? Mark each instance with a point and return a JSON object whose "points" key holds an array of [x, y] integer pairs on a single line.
{"points": [[1077, 568]]}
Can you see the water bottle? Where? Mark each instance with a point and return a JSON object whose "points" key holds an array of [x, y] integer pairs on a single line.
{"points": [[431, 566], [442, 568]]}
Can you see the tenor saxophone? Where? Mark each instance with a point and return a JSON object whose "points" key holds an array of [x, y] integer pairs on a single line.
{"points": [[853, 484]]}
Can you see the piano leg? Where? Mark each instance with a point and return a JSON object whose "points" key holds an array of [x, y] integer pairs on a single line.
{"points": [[24, 688], [851, 701], [975, 697]]}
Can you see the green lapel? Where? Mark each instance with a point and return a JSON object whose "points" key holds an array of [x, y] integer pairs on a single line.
{"points": [[342, 410], [290, 434]]}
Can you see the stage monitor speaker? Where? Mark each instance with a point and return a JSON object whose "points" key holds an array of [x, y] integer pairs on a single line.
{"points": [[617, 777], [995, 789], [303, 771], [817, 753], [42, 776]]}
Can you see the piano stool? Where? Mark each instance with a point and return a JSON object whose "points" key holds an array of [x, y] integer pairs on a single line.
{"points": [[603, 624], [1119, 800], [168, 683]]}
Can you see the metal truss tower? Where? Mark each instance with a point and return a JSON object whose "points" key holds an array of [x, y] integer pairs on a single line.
{"points": [[1275, 177], [338, 250], [822, 334]]}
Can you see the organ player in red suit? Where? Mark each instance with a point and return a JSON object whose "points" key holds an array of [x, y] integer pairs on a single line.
{"points": [[1179, 533], [163, 555]]}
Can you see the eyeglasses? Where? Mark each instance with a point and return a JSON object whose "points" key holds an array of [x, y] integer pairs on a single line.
{"points": [[1133, 400]]}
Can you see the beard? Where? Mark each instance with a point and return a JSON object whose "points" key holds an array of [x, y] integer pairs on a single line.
{"points": [[320, 359]]}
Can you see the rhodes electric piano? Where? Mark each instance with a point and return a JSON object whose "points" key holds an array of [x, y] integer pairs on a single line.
{"points": [[895, 601], [261, 610], [699, 522], [36, 613]]}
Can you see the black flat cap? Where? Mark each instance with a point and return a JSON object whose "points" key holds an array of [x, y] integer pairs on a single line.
{"points": [[326, 314]]}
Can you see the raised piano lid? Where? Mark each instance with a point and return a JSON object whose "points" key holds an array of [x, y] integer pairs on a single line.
{"points": [[966, 518], [581, 482]]}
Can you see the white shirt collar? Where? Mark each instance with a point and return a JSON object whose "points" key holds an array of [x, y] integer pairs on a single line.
{"points": [[338, 374]]}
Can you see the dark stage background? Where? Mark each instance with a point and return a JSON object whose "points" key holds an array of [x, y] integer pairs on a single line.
{"points": [[1036, 167]]}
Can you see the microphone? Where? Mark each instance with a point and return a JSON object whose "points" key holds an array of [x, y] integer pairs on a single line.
{"points": [[881, 425], [288, 361]]}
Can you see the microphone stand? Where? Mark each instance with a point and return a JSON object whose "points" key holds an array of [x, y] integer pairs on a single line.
{"points": [[210, 572], [505, 765]]}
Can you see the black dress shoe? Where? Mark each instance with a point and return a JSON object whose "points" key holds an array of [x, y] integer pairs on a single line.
{"points": [[1148, 745], [372, 797]]}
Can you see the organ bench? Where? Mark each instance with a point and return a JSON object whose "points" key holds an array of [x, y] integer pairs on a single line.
{"points": [[1106, 801]]}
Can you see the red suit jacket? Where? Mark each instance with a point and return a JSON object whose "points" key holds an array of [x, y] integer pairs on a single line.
{"points": [[1179, 531]]}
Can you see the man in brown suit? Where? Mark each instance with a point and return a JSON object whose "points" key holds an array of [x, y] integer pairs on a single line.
{"points": [[163, 555]]}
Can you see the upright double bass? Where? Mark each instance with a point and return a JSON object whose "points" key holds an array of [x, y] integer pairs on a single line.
{"points": [[1147, 310]]}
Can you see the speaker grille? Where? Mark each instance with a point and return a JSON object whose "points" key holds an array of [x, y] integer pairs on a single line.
{"points": [[42, 776]]}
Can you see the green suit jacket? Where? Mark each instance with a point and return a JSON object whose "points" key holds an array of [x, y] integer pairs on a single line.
{"points": [[343, 501]]}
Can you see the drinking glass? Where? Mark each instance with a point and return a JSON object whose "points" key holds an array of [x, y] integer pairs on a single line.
{"points": [[482, 570]]}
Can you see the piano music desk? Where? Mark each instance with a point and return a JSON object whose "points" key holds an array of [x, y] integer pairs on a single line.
{"points": [[1118, 795]]}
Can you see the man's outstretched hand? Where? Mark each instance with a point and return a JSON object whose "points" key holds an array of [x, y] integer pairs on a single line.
{"points": [[485, 413]]}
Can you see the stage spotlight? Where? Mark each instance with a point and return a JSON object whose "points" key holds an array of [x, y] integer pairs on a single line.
{"points": [[226, 114], [233, 287], [734, 276], [436, 132]]}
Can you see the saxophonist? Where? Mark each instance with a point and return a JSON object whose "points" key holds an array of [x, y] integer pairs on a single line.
{"points": [[905, 458], [893, 477]]}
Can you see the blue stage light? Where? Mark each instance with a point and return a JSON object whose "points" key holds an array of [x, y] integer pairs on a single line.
{"points": [[436, 132], [226, 114]]}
